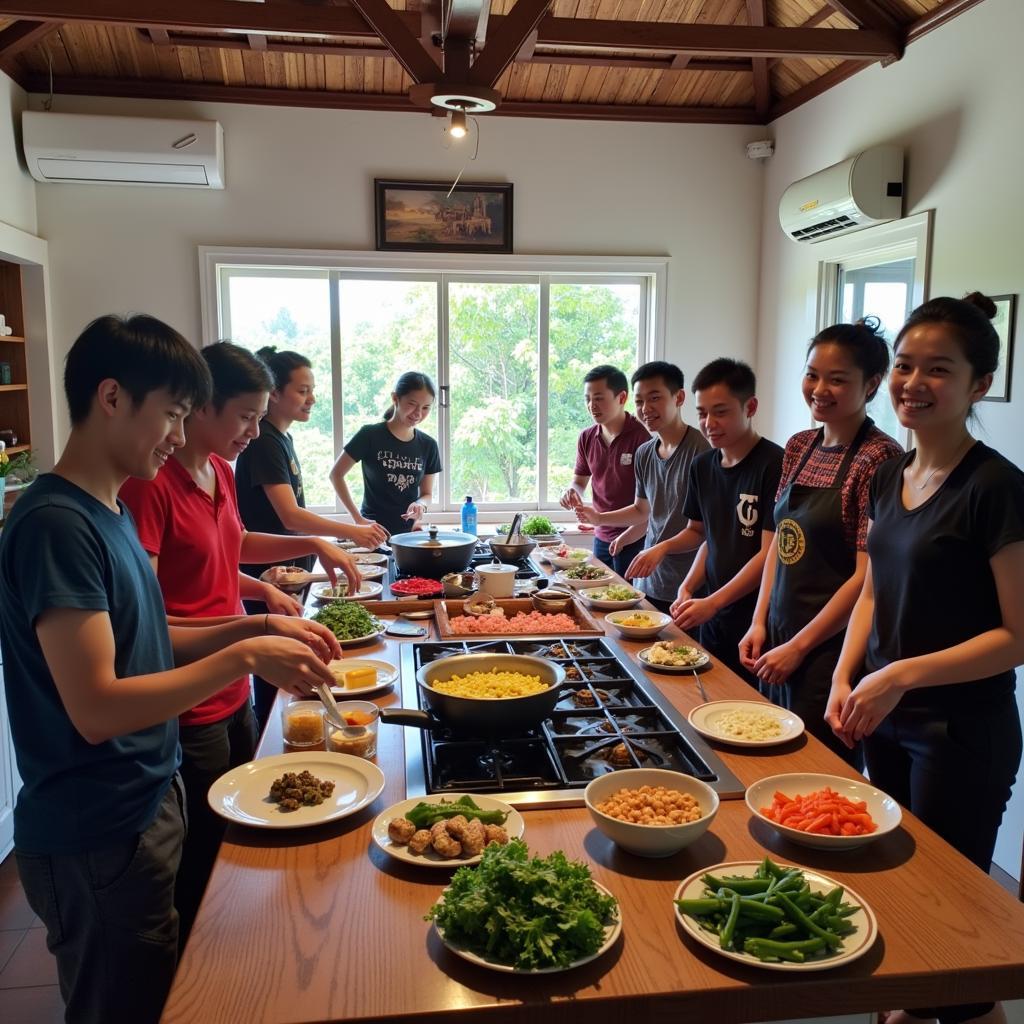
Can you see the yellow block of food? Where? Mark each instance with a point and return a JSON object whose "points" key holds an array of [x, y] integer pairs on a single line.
{"points": [[356, 678]]}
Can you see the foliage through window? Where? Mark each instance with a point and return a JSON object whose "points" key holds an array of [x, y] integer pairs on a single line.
{"points": [[507, 352]]}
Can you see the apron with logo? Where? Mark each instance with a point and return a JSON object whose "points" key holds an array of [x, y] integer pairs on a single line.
{"points": [[814, 561]]}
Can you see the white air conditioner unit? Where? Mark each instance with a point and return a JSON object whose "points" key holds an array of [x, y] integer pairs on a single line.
{"points": [[864, 190], [86, 148]]}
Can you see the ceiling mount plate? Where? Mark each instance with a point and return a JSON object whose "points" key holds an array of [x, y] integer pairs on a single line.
{"points": [[473, 99]]}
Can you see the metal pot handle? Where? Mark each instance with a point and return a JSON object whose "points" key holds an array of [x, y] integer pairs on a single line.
{"points": [[409, 716]]}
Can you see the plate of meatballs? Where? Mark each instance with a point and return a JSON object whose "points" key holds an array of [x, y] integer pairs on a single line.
{"points": [[450, 843]]}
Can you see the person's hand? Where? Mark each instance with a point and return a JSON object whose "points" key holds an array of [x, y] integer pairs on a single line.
{"points": [[335, 561], [682, 597], [752, 644], [779, 663], [694, 612], [287, 663], [615, 546], [645, 563], [367, 535], [570, 498], [317, 637], [586, 514], [865, 708], [414, 513], [837, 697], [280, 603]]}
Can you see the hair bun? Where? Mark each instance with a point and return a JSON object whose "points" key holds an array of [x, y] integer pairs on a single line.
{"points": [[982, 302], [871, 322]]}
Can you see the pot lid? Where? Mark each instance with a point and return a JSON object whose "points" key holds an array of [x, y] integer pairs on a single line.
{"points": [[432, 538]]}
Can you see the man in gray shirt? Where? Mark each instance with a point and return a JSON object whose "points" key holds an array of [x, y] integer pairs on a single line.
{"points": [[662, 468]]}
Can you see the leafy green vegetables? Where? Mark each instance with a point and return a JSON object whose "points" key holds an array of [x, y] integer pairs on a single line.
{"points": [[533, 526], [424, 814], [347, 620], [529, 912], [773, 915]]}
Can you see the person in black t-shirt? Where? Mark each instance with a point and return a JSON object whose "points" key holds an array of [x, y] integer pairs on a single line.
{"points": [[729, 496], [926, 674], [400, 463]]}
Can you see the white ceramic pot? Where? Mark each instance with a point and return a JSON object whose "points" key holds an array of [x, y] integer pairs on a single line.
{"points": [[497, 579]]}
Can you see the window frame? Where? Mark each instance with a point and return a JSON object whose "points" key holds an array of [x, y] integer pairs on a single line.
{"points": [[217, 264]]}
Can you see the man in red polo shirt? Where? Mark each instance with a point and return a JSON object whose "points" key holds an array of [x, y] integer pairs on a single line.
{"points": [[604, 457]]}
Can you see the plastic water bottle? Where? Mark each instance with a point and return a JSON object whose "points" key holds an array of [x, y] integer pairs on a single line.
{"points": [[469, 516]]}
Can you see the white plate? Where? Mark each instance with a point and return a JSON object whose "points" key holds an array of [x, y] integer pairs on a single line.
{"points": [[854, 945], [606, 604], [368, 590], [704, 717], [582, 558], [883, 809], [604, 581], [611, 933], [352, 641], [242, 795], [368, 558], [643, 656], [514, 826], [386, 675], [371, 572]]}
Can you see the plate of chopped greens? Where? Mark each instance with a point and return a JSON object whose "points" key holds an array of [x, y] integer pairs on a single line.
{"points": [[801, 920], [350, 622], [526, 915], [538, 527], [616, 597]]}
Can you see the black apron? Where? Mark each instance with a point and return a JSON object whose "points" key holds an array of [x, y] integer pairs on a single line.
{"points": [[814, 560]]}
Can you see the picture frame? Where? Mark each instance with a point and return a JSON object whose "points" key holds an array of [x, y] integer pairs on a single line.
{"points": [[1003, 322], [431, 216]]}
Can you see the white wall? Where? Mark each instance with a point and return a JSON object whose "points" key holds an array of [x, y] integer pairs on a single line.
{"points": [[17, 189], [304, 178], [954, 104]]}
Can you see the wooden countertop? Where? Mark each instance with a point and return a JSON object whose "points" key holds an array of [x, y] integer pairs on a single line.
{"points": [[320, 925]]}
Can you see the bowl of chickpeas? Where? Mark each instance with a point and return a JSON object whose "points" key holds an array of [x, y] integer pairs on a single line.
{"points": [[651, 812]]}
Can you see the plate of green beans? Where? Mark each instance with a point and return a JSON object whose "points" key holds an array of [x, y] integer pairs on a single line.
{"points": [[781, 918]]}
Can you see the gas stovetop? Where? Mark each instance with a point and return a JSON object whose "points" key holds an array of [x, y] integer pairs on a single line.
{"points": [[609, 716]]}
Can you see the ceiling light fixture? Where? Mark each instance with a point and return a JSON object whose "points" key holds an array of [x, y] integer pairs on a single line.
{"points": [[457, 129], [467, 99]]}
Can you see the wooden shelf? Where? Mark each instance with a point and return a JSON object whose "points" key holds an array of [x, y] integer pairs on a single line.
{"points": [[13, 387], [13, 339], [14, 449]]}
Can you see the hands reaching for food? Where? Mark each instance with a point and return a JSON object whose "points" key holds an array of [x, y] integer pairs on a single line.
{"points": [[587, 514], [367, 534], [334, 560], [317, 637], [280, 603], [287, 663], [570, 498], [645, 563]]}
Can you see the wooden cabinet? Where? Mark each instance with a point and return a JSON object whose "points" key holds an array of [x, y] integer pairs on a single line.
{"points": [[14, 395]]}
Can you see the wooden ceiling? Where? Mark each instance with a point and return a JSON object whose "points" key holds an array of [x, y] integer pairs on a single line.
{"points": [[711, 61]]}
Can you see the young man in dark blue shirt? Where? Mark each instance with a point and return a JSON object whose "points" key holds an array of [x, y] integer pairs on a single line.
{"points": [[96, 679]]}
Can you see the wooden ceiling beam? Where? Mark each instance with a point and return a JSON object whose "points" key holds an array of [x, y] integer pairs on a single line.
{"points": [[506, 41], [23, 34], [938, 16], [867, 14], [206, 92], [468, 19], [757, 15], [719, 40], [815, 88], [399, 39]]}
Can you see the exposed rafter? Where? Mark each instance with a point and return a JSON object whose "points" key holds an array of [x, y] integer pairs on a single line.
{"points": [[399, 39], [757, 15], [867, 14], [506, 41], [23, 34]]}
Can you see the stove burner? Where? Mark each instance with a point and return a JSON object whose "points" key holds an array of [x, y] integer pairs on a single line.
{"points": [[525, 568]]}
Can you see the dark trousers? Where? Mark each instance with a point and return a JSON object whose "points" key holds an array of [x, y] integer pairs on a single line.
{"points": [[263, 693], [110, 919], [723, 643], [207, 752], [617, 563], [954, 771]]}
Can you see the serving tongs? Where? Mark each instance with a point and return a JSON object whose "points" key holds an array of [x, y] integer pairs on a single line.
{"points": [[331, 706]]}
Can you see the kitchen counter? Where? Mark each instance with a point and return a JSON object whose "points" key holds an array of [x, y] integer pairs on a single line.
{"points": [[320, 925]]}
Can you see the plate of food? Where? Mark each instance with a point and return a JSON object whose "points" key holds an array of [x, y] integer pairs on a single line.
{"points": [[325, 593], [354, 676], [369, 558], [565, 557], [615, 597], [538, 528], [417, 586], [582, 577], [350, 622], [438, 832], [296, 790], [580, 922], [760, 934], [746, 723], [372, 572], [674, 656]]}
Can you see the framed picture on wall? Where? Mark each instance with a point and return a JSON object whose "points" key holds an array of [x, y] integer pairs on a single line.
{"points": [[431, 216], [1003, 322]]}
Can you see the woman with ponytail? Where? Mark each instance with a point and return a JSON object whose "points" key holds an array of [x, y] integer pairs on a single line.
{"points": [[816, 564], [926, 675], [400, 463]]}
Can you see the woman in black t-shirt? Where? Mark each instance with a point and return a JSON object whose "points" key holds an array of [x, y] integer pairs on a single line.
{"points": [[926, 675]]}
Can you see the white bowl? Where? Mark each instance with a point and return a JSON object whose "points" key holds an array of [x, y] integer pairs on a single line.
{"points": [[560, 577], [884, 811], [659, 620], [567, 563], [593, 598], [650, 840]]}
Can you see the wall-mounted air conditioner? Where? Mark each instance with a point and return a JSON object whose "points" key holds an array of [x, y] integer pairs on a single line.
{"points": [[87, 148], [864, 190]]}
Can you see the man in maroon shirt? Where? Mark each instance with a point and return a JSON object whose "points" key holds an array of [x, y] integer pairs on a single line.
{"points": [[604, 457]]}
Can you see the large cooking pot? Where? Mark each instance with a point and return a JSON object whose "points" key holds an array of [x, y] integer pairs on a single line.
{"points": [[432, 552], [475, 715]]}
